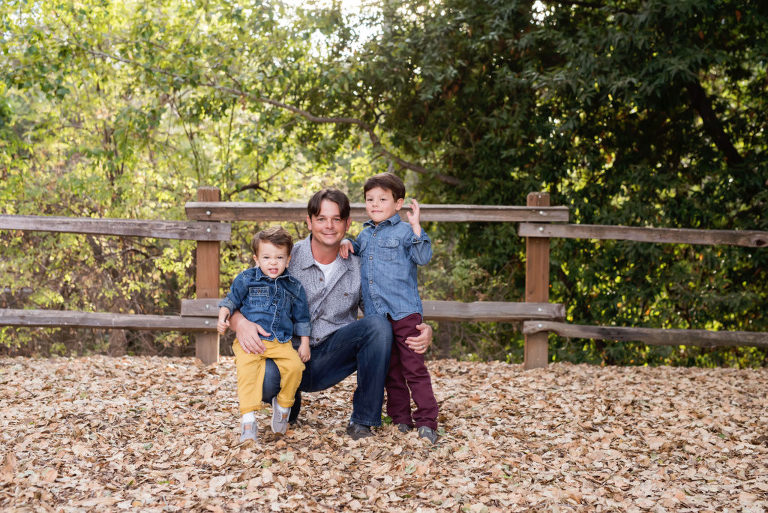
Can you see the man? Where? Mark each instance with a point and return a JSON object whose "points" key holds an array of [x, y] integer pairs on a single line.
{"points": [[340, 343]]}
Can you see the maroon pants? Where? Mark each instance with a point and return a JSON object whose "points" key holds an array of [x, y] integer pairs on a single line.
{"points": [[408, 376]]}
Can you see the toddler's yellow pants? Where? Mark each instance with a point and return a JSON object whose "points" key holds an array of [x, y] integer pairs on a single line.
{"points": [[250, 374]]}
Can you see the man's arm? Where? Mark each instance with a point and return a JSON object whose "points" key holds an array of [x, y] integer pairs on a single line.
{"points": [[421, 343], [248, 333]]}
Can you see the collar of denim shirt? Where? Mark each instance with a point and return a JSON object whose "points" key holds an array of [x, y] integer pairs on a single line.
{"points": [[285, 277], [392, 220]]}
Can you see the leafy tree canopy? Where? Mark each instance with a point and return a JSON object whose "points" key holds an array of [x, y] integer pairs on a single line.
{"points": [[644, 113]]}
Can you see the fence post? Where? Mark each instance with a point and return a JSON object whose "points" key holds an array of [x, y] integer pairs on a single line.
{"points": [[207, 283], [536, 286]]}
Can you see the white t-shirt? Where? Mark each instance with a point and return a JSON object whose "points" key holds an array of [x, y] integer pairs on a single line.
{"points": [[328, 269]]}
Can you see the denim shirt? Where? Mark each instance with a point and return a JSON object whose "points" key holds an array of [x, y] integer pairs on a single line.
{"points": [[279, 306], [332, 303], [389, 253]]}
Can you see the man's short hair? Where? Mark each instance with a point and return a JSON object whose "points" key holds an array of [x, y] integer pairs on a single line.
{"points": [[334, 195], [277, 236], [388, 182]]}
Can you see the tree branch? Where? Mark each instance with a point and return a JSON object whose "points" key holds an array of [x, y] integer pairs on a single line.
{"points": [[712, 126], [240, 92]]}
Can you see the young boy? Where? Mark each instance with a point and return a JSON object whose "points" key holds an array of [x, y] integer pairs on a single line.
{"points": [[389, 252], [269, 296]]}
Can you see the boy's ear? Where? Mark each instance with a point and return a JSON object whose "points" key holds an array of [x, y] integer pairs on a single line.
{"points": [[399, 204], [288, 261]]}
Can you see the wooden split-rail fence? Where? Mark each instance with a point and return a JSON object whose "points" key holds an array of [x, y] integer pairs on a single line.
{"points": [[210, 223]]}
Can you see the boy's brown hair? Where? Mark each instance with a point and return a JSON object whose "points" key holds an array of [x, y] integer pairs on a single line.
{"points": [[277, 236], [388, 182]]}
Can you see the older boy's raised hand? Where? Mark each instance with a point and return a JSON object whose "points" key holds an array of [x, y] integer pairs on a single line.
{"points": [[414, 216]]}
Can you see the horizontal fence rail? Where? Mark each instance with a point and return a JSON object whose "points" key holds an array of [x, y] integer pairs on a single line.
{"points": [[243, 211], [433, 310], [748, 238], [75, 319], [651, 336], [180, 230], [536, 224]]}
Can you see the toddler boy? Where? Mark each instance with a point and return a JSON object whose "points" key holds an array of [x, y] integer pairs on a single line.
{"points": [[268, 295]]}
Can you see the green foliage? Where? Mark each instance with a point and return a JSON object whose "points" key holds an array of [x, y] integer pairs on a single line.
{"points": [[631, 113]]}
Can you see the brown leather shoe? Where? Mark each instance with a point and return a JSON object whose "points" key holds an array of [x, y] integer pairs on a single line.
{"points": [[358, 431]]}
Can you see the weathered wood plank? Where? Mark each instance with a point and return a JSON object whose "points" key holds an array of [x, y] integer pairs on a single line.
{"points": [[182, 230], [75, 319], [536, 349], [242, 211], [650, 336], [748, 238], [433, 310], [486, 311], [207, 281]]}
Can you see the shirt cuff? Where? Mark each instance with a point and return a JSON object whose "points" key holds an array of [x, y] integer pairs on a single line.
{"points": [[302, 329], [227, 303]]}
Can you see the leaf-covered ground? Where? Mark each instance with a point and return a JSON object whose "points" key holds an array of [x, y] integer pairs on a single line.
{"points": [[158, 434]]}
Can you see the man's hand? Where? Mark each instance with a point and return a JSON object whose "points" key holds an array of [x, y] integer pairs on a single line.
{"points": [[345, 247], [248, 334], [421, 343]]}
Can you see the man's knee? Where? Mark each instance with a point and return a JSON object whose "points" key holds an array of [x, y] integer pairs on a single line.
{"points": [[379, 328], [271, 385], [377, 336]]}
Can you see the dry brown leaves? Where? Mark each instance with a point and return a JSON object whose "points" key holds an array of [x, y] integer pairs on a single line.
{"points": [[154, 434]]}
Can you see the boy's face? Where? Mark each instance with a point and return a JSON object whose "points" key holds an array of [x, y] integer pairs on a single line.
{"points": [[271, 259], [381, 205]]}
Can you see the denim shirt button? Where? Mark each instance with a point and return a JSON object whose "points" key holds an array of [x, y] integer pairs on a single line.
{"points": [[370, 257]]}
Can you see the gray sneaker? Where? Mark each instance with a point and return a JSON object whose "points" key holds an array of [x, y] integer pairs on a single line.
{"points": [[279, 417], [404, 428], [249, 431], [428, 433]]}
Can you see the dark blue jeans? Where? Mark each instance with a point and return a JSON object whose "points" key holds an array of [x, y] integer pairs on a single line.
{"points": [[363, 346]]}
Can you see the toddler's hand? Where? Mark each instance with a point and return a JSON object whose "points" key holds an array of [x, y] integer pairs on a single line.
{"points": [[304, 352], [221, 326], [345, 248]]}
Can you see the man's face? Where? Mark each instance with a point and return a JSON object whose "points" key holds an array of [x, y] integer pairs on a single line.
{"points": [[328, 228]]}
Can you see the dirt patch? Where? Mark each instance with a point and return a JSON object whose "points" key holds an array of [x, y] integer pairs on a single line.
{"points": [[160, 434]]}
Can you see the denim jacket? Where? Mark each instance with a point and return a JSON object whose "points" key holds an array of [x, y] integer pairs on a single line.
{"points": [[389, 253], [279, 306]]}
